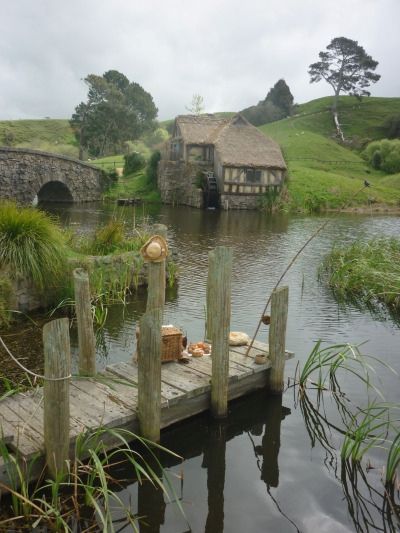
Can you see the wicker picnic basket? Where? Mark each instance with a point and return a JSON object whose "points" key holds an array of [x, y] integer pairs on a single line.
{"points": [[171, 343]]}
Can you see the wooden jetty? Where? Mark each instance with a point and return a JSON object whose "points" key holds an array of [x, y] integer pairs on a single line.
{"points": [[109, 400], [146, 396]]}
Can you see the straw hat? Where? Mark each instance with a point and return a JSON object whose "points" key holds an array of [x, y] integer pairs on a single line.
{"points": [[155, 249]]}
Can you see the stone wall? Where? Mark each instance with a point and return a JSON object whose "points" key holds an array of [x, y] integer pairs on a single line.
{"points": [[241, 201], [25, 173], [128, 266], [177, 182]]}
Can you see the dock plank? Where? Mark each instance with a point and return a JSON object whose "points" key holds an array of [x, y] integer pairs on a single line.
{"points": [[97, 408], [183, 378], [128, 371], [204, 365]]}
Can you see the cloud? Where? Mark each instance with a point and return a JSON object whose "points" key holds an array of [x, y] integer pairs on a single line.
{"points": [[229, 51]]}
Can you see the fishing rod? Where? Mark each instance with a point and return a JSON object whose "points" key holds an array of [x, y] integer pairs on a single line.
{"points": [[318, 230]]}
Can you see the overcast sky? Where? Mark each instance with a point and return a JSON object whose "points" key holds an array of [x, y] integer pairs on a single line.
{"points": [[229, 51]]}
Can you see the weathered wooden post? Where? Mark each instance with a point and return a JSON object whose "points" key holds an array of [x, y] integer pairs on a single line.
{"points": [[57, 364], [149, 345], [156, 277], [220, 265], [277, 336], [209, 299], [86, 338]]}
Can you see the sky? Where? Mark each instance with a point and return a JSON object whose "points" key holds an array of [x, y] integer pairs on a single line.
{"points": [[231, 52]]}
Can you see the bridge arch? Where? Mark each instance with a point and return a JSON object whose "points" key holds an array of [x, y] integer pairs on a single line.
{"points": [[54, 191], [27, 174]]}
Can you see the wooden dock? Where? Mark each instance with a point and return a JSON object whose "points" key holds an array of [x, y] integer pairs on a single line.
{"points": [[110, 399]]}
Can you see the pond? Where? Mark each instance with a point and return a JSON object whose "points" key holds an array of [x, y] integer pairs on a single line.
{"points": [[261, 470]]}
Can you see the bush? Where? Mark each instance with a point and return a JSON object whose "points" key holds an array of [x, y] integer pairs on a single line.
{"points": [[391, 127], [384, 155], [151, 170], [133, 163], [31, 244]]}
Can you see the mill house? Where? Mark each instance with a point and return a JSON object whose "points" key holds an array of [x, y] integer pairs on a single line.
{"points": [[217, 162]]}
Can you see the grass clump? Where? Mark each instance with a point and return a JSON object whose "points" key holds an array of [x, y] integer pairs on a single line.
{"points": [[86, 497], [31, 244], [368, 271]]}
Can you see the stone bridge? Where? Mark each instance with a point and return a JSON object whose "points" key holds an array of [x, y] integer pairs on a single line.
{"points": [[28, 176]]}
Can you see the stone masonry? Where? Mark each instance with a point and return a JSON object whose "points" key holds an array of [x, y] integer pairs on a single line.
{"points": [[25, 174]]}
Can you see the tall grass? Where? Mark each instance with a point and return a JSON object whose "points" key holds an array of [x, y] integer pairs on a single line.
{"points": [[368, 271], [86, 496], [31, 244]]}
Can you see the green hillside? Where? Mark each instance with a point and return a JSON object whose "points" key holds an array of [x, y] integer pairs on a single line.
{"points": [[322, 172], [49, 135]]}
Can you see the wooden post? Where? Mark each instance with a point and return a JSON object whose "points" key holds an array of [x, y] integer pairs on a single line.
{"points": [[220, 265], [57, 364], [149, 350], [86, 338], [215, 462], [277, 335], [149, 376], [156, 278], [210, 292]]}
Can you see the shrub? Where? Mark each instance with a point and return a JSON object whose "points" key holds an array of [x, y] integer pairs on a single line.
{"points": [[151, 170], [391, 127], [31, 244], [133, 163], [384, 154]]}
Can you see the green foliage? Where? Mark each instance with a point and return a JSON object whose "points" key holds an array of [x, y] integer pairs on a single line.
{"points": [[156, 137], [116, 111], [277, 104], [281, 97], [368, 271], [151, 169], [346, 67], [133, 163], [31, 244], [384, 155], [391, 127]]}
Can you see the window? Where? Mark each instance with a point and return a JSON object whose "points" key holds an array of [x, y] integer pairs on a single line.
{"points": [[253, 175]]}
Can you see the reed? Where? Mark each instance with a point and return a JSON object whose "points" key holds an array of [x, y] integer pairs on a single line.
{"points": [[368, 429], [86, 496], [321, 368], [393, 460], [366, 271]]}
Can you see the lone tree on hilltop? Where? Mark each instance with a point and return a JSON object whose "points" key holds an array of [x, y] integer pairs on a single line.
{"points": [[346, 67], [196, 106]]}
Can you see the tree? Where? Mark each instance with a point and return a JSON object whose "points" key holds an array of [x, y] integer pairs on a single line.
{"points": [[346, 67], [281, 97], [196, 107], [116, 110], [276, 105]]}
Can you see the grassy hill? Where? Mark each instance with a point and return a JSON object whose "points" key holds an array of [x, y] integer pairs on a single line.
{"points": [[49, 135], [322, 172]]}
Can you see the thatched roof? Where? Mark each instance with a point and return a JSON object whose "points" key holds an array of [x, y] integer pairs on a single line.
{"points": [[196, 129], [240, 144], [237, 142]]}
